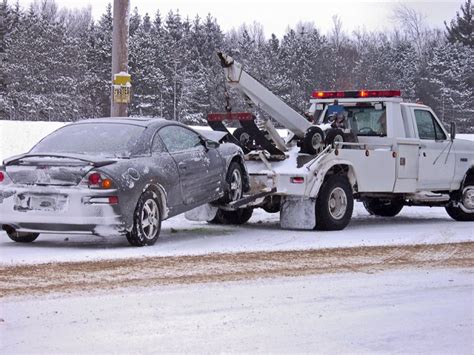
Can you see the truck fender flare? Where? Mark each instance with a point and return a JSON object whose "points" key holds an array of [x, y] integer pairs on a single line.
{"points": [[343, 167]]}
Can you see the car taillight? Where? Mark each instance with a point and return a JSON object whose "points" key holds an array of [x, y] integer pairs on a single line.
{"points": [[94, 179], [2, 176], [99, 181]]}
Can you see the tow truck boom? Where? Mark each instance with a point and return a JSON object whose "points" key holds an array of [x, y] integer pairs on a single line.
{"points": [[262, 97]]}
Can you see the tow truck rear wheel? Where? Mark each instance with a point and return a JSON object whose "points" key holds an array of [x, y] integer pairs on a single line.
{"points": [[313, 140], [383, 208], [334, 204], [463, 211]]}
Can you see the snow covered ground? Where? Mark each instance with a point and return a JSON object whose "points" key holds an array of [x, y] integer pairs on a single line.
{"points": [[414, 225], [396, 309], [402, 311]]}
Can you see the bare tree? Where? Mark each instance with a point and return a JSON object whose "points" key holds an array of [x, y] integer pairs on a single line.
{"points": [[412, 24]]}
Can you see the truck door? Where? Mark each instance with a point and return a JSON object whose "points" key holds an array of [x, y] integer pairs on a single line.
{"points": [[436, 156]]}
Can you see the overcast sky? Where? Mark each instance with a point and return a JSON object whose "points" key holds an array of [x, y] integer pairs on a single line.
{"points": [[277, 15]]}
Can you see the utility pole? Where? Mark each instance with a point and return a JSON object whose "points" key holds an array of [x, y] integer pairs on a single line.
{"points": [[121, 87]]}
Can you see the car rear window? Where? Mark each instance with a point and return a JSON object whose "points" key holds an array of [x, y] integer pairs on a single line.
{"points": [[108, 139]]}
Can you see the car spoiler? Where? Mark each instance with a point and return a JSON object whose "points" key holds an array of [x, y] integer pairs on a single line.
{"points": [[94, 161], [215, 136]]}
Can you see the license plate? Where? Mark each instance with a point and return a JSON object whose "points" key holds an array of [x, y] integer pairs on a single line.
{"points": [[30, 202]]}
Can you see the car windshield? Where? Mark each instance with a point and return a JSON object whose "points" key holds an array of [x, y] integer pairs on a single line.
{"points": [[107, 139], [365, 119]]}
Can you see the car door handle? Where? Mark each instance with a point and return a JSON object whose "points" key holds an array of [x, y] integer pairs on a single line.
{"points": [[182, 166]]}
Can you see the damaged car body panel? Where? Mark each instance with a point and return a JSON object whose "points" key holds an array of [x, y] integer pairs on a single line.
{"points": [[90, 176]]}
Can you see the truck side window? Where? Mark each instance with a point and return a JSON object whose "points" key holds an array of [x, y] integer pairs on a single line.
{"points": [[428, 127]]}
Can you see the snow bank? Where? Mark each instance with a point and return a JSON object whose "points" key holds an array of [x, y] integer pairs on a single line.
{"points": [[17, 137]]}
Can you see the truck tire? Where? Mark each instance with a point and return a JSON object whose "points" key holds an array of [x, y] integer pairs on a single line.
{"points": [[334, 204], [236, 217], [464, 211], [383, 208], [22, 237], [334, 135], [313, 140]]}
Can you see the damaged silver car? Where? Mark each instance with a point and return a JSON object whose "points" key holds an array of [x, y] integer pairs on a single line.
{"points": [[117, 176]]}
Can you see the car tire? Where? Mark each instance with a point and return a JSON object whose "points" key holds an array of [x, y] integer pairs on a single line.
{"points": [[234, 192], [462, 213], [334, 204], [22, 237], [383, 208], [236, 217], [334, 135], [146, 221], [313, 140]]}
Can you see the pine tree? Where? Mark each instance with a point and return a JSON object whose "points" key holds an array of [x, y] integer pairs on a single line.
{"points": [[461, 29]]}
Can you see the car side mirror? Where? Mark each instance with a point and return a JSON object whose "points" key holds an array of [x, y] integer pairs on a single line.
{"points": [[210, 144], [452, 130]]}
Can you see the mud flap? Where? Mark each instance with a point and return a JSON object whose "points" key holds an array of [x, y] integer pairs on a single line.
{"points": [[298, 213], [204, 213]]}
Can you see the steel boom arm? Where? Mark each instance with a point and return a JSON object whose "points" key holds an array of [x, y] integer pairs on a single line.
{"points": [[262, 97]]}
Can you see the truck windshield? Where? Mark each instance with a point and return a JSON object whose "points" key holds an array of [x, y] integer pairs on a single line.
{"points": [[107, 139], [365, 120]]}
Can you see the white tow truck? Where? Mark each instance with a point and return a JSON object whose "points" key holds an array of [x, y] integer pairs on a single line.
{"points": [[379, 150]]}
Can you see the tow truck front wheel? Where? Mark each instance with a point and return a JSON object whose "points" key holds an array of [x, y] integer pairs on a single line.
{"points": [[334, 204], [463, 210]]}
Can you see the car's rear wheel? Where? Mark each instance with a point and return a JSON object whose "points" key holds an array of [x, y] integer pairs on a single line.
{"points": [[146, 221], [383, 208], [22, 237]]}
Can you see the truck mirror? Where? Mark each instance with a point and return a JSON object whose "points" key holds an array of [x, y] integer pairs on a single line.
{"points": [[452, 130]]}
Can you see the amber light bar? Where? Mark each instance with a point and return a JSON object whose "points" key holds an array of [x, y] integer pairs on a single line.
{"points": [[355, 94]]}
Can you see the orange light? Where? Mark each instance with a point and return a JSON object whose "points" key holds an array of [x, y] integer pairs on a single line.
{"points": [[363, 93], [106, 184]]}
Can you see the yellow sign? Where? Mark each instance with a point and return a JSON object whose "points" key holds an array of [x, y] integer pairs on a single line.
{"points": [[122, 94], [122, 78], [122, 88]]}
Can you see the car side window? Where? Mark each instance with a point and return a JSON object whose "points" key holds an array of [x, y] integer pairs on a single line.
{"points": [[428, 127], [178, 138], [157, 146]]}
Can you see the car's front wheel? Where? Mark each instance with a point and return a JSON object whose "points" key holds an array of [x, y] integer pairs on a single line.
{"points": [[235, 190], [146, 221], [22, 237]]}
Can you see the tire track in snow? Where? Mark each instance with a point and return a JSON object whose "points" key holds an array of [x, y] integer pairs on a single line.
{"points": [[72, 277]]}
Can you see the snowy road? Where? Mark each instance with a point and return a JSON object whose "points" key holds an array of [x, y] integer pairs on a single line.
{"points": [[414, 225], [398, 311]]}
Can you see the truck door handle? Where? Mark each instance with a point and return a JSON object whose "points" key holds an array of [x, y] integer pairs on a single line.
{"points": [[182, 166]]}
